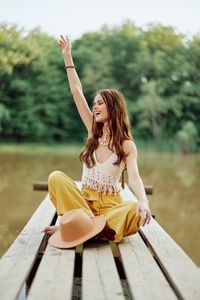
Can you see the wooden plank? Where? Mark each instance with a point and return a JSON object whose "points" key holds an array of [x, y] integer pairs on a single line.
{"points": [[180, 270], [178, 267], [17, 262], [146, 280], [54, 278], [149, 189], [43, 186], [100, 279], [40, 186]]}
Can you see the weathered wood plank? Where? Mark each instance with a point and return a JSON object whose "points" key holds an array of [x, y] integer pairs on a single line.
{"points": [[42, 186], [180, 270], [100, 279], [145, 279], [17, 262], [54, 279], [178, 267], [100, 276]]}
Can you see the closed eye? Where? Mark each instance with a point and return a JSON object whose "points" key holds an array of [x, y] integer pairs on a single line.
{"points": [[100, 103]]}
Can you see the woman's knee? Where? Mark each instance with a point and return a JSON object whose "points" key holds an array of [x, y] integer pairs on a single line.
{"points": [[54, 176], [131, 205]]}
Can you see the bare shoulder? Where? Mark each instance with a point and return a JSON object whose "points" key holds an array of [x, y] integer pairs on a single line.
{"points": [[129, 147]]}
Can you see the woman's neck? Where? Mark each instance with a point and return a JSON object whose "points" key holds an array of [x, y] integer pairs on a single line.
{"points": [[105, 138], [106, 131]]}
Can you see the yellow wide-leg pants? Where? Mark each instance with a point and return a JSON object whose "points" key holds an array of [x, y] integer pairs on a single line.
{"points": [[119, 214]]}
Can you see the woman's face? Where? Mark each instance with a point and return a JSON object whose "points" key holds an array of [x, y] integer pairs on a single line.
{"points": [[100, 109]]}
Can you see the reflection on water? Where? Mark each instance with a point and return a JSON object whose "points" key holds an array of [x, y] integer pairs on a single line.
{"points": [[175, 202]]}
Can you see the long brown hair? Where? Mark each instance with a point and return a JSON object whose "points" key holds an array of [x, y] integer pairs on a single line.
{"points": [[118, 125]]}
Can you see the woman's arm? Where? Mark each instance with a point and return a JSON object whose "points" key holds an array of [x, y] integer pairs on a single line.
{"points": [[135, 182], [75, 84]]}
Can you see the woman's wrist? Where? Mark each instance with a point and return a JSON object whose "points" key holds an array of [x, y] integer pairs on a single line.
{"points": [[144, 201], [70, 67], [68, 61]]}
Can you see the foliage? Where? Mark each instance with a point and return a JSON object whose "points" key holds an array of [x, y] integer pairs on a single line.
{"points": [[187, 137], [157, 69]]}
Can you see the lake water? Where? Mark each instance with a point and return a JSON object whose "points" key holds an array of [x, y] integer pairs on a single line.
{"points": [[175, 178]]}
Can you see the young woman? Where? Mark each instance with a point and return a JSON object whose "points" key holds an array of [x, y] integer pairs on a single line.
{"points": [[108, 150]]}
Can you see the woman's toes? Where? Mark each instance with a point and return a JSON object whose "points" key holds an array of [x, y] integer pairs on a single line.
{"points": [[45, 229], [50, 229]]}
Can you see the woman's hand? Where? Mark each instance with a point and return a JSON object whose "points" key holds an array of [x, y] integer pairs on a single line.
{"points": [[65, 44], [143, 210]]}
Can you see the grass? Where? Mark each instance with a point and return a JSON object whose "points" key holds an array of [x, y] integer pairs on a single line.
{"points": [[75, 148], [164, 145], [35, 148]]}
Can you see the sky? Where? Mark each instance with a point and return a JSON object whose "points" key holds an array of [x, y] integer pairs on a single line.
{"points": [[76, 17]]}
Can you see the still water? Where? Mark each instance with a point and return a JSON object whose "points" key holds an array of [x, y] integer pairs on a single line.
{"points": [[175, 178]]}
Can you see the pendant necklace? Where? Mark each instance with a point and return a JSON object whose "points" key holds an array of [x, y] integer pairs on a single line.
{"points": [[104, 141]]}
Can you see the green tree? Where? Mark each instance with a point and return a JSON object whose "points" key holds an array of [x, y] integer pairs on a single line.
{"points": [[157, 69], [187, 137], [149, 111]]}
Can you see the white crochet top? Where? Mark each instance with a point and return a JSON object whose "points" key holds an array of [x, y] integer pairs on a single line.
{"points": [[103, 177]]}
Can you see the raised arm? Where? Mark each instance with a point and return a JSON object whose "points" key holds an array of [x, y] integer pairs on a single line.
{"points": [[75, 84]]}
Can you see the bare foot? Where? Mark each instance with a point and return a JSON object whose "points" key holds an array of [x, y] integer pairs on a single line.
{"points": [[50, 229]]}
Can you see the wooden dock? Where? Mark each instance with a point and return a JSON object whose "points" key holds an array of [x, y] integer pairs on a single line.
{"points": [[147, 265]]}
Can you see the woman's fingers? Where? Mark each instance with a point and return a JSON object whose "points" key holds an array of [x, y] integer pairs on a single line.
{"points": [[149, 218], [141, 219], [137, 211], [145, 218], [61, 44], [144, 213], [64, 43], [62, 38]]}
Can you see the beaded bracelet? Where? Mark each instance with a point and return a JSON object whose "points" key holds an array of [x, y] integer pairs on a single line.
{"points": [[69, 67]]}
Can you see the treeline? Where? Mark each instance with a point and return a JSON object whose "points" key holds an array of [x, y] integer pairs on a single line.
{"points": [[157, 70]]}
